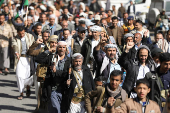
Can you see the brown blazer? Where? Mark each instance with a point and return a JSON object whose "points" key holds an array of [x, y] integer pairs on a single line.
{"points": [[120, 34], [97, 96], [132, 105]]}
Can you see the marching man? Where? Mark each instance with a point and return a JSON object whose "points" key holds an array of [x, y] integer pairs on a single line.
{"points": [[21, 44]]}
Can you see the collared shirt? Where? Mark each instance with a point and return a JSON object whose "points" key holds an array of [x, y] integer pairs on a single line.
{"points": [[94, 44], [80, 41], [142, 71], [24, 45], [131, 9], [60, 63], [68, 40], [113, 67], [136, 47]]}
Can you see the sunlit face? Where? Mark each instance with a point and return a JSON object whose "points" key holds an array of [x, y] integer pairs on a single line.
{"points": [[82, 34], [64, 25], [61, 49], [137, 38], [45, 37], [66, 34], [158, 37], [165, 66], [43, 18], [111, 53], [39, 29], [52, 21], [21, 34], [143, 55], [77, 63], [142, 90], [53, 44], [2, 19], [29, 21], [114, 22], [129, 39], [95, 34], [115, 81], [138, 26]]}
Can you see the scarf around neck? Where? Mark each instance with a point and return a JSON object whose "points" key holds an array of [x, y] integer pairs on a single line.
{"points": [[113, 93]]}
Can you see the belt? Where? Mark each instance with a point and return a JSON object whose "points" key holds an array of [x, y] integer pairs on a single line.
{"points": [[23, 55], [56, 87]]}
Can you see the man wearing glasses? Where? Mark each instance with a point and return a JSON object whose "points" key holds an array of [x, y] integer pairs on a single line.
{"points": [[79, 39]]}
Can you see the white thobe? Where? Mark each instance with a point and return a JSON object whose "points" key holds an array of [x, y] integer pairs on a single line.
{"points": [[23, 74]]}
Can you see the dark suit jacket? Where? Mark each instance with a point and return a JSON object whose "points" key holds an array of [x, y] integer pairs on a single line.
{"points": [[134, 10], [99, 60], [52, 78], [88, 85]]}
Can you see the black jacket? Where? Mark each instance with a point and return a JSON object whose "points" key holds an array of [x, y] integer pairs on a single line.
{"points": [[132, 68], [88, 85], [52, 78], [134, 10]]}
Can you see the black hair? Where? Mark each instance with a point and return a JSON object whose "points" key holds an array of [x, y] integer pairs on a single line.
{"points": [[142, 81], [164, 57], [100, 78], [2, 14], [139, 21], [38, 24], [42, 14], [114, 18], [20, 28], [65, 30], [46, 32], [117, 73], [156, 55], [65, 7], [110, 11], [65, 17], [6, 6]]}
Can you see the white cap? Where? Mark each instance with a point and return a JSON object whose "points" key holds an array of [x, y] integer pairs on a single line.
{"points": [[62, 43], [97, 17], [18, 5], [95, 28], [89, 23], [52, 16], [31, 8], [42, 7], [77, 56], [83, 14]]}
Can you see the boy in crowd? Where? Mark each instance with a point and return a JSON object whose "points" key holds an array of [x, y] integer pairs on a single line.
{"points": [[101, 94], [141, 104]]}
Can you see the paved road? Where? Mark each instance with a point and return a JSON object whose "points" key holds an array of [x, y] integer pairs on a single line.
{"points": [[8, 97]]}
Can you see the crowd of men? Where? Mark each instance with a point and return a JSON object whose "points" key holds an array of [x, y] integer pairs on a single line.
{"points": [[84, 59]]}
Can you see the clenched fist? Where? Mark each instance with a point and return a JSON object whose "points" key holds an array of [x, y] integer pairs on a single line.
{"points": [[110, 101], [39, 41]]}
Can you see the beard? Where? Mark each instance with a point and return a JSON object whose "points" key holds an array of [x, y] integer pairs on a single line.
{"points": [[77, 67], [112, 58]]}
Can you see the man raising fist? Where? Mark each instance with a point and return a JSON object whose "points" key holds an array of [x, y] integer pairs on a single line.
{"points": [[136, 69]]}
